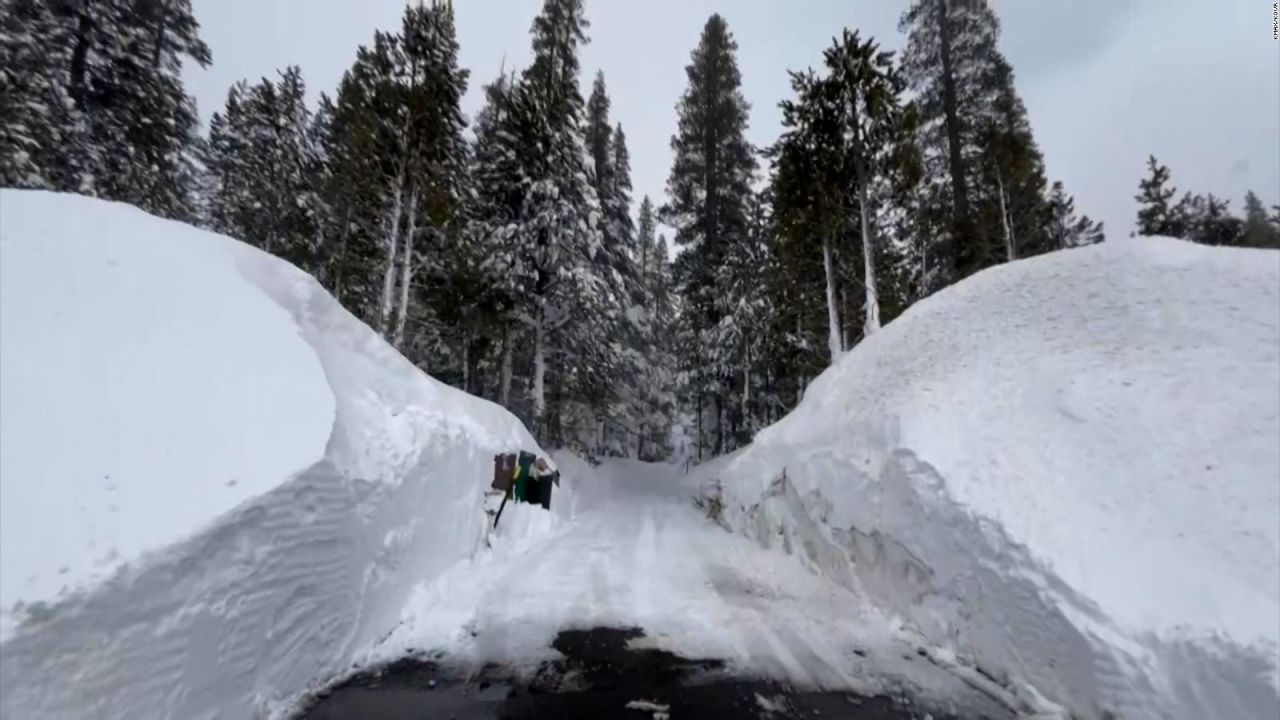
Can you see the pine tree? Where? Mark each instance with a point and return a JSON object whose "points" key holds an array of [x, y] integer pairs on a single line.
{"points": [[226, 155], [1065, 229], [126, 78], [984, 192], [1156, 216], [325, 193], [809, 181], [835, 175], [736, 342], [659, 379], [870, 90], [260, 157], [386, 179], [617, 210], [566, 303], [1210, 222], [93, 100], [598, 137], [499, 183], [350, 182], [707, 198], [43, 136], [1257, 231], [436, 158], [1010, 181], [950, 56]]}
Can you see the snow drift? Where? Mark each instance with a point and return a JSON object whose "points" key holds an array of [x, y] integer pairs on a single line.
{"points": [[1064, 470], [218, 487]]}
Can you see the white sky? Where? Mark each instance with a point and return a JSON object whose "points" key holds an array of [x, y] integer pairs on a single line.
{"points": [[1106, 82]]}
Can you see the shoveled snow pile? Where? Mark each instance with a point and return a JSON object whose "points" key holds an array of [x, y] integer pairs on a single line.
{"points": [[1065, 470], [127, 416], [217, 486]]}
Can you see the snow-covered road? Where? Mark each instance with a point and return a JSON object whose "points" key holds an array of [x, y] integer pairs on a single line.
{"points": [[637, 553]]}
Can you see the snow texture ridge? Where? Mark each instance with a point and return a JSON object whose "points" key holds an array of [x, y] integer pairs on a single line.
{"points": [[1063, 470], [307, 566]]}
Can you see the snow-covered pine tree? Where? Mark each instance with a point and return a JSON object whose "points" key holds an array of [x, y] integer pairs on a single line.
{"points": [[598, 136], [499, 198], [126, 76], [565, 301], [43, 136], [708, 192], [97, 100], [322, 190], [656, 379], [635, 332], [437, 168], [260, 157], [613, 409], [225, 155], [739, 341], [349, 180], [646, 240], [389, 178], [617, 211]]}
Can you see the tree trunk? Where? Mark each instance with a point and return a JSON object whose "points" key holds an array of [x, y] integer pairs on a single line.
{"points": [[406, 271], [871, 323], [834, 334], [539, 369], [799, 376], [339, 258], [1010, 245], [950, 102], [80, 55], [504, 378], [719, 423], [161, 26], [924, 267], [644, 272], [466, 364], [389, 273], [699, 430]]}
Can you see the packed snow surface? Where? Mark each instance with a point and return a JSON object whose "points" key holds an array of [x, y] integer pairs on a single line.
{"points": [[638, 553], [146, 388], [217, 485], [1067, 466]]}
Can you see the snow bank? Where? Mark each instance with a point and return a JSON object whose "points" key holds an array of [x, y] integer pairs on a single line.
{"points": [[1064, 468], [176, 361], [126, 417]]}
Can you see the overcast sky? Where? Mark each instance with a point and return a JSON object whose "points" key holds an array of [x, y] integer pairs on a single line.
{"points": [[1106, 82]]}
